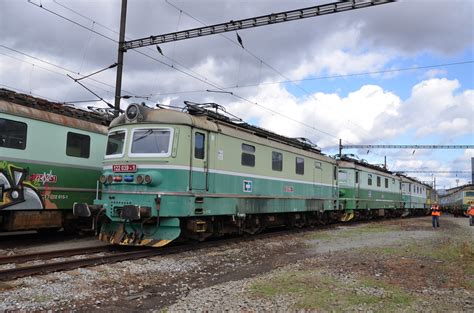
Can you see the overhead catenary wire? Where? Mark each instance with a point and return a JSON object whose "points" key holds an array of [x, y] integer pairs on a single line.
{"points": [[54, 72], [184, 72], [413, 68], [240, 44], [70, 71]]}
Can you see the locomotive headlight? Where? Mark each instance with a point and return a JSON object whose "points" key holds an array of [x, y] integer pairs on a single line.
{"points": [[110, 179], [132, 112], [148, 179], [103, 179]]}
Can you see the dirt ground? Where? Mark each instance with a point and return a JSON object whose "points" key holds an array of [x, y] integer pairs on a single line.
{"points": [[391, 265]]}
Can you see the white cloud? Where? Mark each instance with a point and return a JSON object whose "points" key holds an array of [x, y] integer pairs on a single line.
{"points": [[433, 73], [435, 108], [351, 118]]}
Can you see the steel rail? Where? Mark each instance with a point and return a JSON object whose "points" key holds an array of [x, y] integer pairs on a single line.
{"points": [[46, 268], [39, 269], [22, 258]]}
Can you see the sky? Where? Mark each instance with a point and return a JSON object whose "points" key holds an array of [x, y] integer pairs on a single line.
{"points": [[395, 74]]}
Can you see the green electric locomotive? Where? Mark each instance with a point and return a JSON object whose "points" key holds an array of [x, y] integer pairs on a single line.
{"points": [[458, 199], [195, 174], [367, 190]]}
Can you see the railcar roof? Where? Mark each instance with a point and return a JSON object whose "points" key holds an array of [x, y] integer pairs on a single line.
{"points": [[381, 169], [365, 164], [213, 122], [459, 188], [54, 107]]}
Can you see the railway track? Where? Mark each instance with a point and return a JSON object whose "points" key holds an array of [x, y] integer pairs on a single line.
{"points": [[23, 258], [113, 254]]}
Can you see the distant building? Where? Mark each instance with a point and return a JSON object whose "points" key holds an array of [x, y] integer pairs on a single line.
{"points": [[472, 170]]}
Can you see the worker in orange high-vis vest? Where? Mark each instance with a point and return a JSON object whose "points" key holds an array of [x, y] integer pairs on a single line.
{"points": [[470, 213], [435, 214]]}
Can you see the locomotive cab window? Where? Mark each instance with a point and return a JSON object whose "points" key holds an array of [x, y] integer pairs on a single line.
{"points": [[378, 181], [12, 134], [369, 180], [299, 166], [78, 145], [115, 143], [248, 155], [199, 144], [386, 182], [147, 142], [277, 161]]}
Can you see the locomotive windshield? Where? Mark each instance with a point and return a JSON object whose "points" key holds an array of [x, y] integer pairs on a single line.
{"points": [[115, 143], [151, 141]]}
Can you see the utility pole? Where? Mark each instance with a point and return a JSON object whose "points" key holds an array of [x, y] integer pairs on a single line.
{"points": [[340, 148], [121, 51]]}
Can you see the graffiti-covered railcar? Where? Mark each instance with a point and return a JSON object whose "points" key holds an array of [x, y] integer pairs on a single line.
{"points": [[197, 174], [50, 156]]}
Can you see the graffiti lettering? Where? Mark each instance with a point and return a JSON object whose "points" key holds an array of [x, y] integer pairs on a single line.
{"points": [[44, 178]]}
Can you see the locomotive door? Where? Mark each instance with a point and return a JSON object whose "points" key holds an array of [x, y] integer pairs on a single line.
{"points": [[199, 166], [317, 178], [357, 184]]}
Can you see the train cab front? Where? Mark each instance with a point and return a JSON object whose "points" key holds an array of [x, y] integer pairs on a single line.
{"points": [[135, 168]]}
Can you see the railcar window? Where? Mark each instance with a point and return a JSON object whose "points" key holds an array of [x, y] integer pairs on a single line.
{"points": [[277, 161], [378, 181], [357, 178], [115, 142], [199, 140], [78, 145], [151, 141], [299, 166], [317, 164], [12, 134], [469, 194], [334, 173], [369, 180], [248, 155], [386, 182], [342, 176]]}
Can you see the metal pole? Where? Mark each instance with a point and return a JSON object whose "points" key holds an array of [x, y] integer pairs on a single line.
{"points": [[340, 148], [118, 82]]}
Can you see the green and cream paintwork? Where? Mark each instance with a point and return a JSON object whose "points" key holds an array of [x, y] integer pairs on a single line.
{"points": [[217, 185], [59, 179], [415, 194], [367, 188], [457, 200]]}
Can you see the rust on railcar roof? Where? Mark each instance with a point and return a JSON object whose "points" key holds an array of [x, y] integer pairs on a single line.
{"points": [[54, 107]]}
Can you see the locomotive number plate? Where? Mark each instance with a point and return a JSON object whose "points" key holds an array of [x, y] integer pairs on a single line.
{"points": [[124, 168]]}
